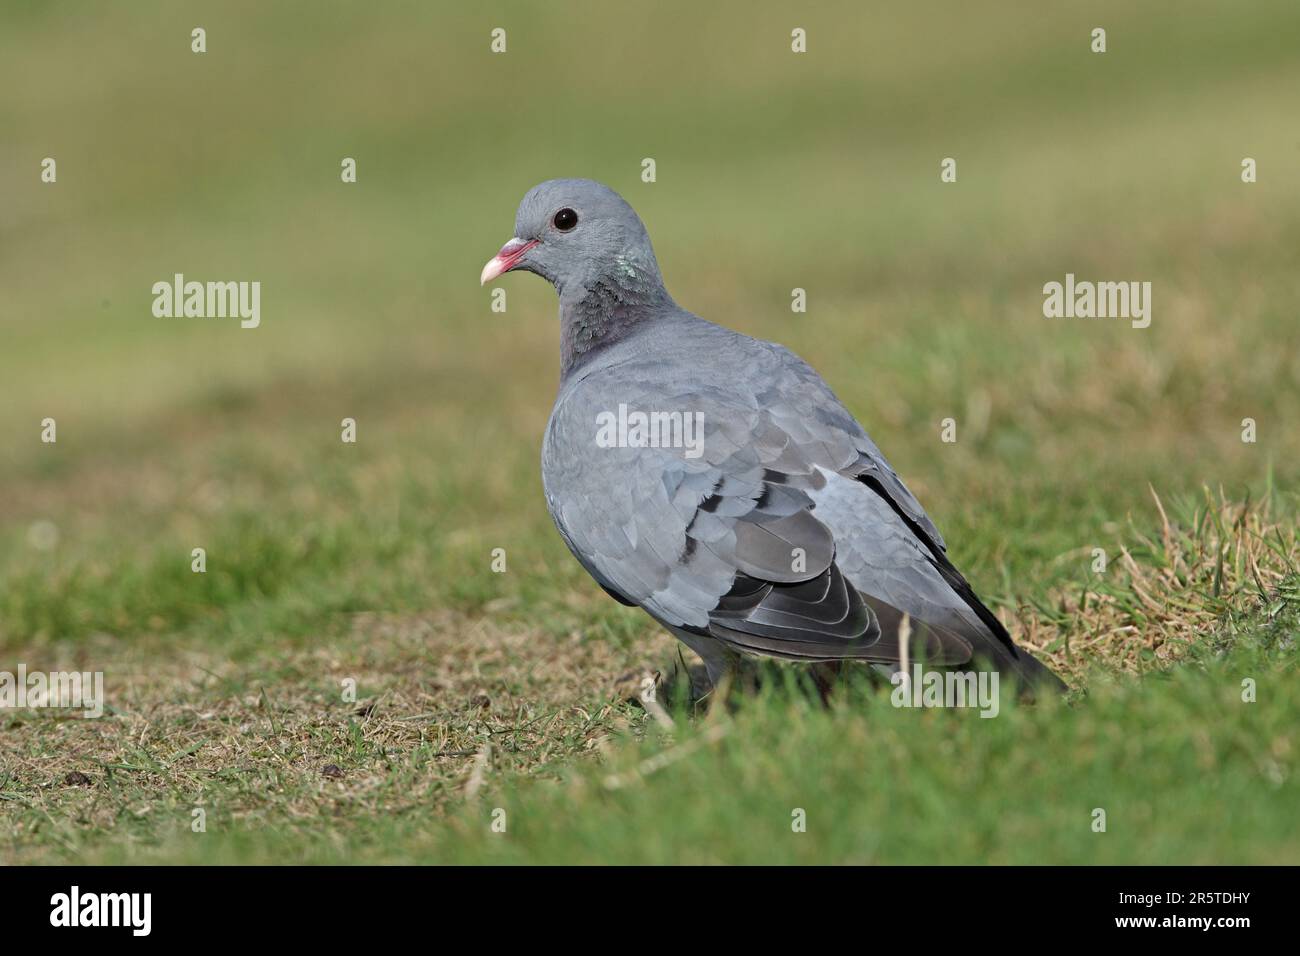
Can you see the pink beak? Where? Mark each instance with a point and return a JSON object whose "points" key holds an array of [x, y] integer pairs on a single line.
{"points": [[506, 259]]}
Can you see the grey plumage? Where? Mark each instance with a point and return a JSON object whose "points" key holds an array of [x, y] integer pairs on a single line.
{"points": [[783, 531]]}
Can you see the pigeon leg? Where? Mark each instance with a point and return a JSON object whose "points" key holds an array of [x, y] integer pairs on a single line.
{"points": [[825, 675], [719, 660]]}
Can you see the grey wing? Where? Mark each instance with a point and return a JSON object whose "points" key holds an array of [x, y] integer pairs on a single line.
{"points": [[891, 550], [819, 412], [720, 535], [727, 543], [789, 535]]}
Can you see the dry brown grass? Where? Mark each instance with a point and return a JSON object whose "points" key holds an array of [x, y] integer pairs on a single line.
{"points": [[444, 704], [1166, 590]]}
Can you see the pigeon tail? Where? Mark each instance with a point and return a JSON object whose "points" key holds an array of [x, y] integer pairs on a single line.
{"points": [[1000, 649]]}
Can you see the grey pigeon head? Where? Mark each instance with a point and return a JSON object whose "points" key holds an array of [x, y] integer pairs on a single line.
{"points": [[580, 236]]}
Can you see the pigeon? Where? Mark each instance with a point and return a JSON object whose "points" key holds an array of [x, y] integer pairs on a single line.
{"points": [[715, 481]]}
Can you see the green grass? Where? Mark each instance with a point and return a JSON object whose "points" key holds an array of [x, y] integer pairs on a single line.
{"points": [[371, 562], [1209, 778]]}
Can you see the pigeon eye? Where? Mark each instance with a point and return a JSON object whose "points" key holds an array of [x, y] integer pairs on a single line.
{"points": [[565, 219]]}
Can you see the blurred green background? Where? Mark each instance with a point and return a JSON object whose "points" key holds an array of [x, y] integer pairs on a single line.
{"points": [[774, 171]]}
